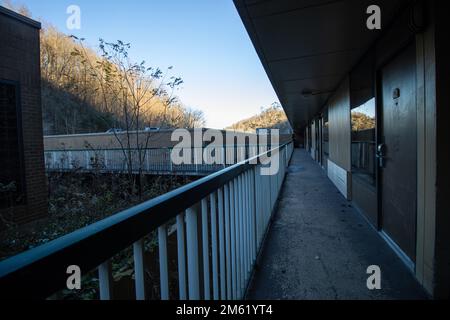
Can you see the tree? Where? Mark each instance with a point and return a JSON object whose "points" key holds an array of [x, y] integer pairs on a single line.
{"points": [[23, 10], [137, 90], [361, 121], [85, 91]]}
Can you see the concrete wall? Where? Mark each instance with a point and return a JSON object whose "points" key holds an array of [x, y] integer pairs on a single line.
{"points": [[20, 63]]}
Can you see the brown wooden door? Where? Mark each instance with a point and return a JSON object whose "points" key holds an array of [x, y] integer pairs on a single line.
{"points": [[399, 168]]}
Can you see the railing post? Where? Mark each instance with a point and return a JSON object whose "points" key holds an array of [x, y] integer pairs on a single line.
{"points": [[270, 193], [233, 237], [53, 159], [249, 225], [222, 245], [286, 153], [267, 197], [277, 177], [170, 160], [181, 257], [224, 156], [257, 188], [205, 247], [163, 265], [227, 241], [105, 154], [196, 160], [250, 216], [243, 233], [192, 253], [69, 159], [245, 225], [237, 201], [273, 188], [214, 246], [248, 222], [139, 273], [86, 155], [105, 281], [253, 214]]}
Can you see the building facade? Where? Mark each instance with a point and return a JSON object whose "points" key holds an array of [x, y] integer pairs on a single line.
{"points": [[23, 195], [371, 106]]}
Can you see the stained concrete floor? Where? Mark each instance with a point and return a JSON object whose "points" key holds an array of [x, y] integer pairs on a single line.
{"points": [[319, 246]]}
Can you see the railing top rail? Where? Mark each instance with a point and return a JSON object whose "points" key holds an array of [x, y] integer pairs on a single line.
{"points": [[90, 246], [149, 148], [362, 141]]}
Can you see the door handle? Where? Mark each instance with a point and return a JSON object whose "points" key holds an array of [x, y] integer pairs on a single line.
{"points": [[381, 155]]}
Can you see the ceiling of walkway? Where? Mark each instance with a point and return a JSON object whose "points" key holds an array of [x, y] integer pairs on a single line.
{"points": [[307, 47]]}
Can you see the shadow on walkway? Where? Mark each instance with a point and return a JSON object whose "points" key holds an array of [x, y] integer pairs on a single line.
{"points": [[319, 246]]}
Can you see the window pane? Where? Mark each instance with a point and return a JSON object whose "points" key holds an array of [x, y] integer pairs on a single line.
{"points": [[363, 141], [11, 182]]}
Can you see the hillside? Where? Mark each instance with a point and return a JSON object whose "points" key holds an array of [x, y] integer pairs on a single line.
{"points": [[82, 91], [361, 121], [86, 90], [272, 117]]}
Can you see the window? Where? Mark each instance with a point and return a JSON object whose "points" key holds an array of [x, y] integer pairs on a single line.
{"points": [[364, 141], [11, 173]]}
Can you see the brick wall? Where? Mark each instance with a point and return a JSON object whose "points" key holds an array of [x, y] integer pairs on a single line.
{"points": [[20, 63]]}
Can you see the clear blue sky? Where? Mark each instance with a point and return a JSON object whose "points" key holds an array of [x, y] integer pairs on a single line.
{"points": [[204, 40]]}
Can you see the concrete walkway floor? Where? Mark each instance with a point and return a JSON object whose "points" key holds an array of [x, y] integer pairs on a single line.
{"points": [[319, 246]]}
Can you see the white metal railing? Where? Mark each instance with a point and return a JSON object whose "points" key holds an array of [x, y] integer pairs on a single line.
{"points": [[232, 221], [221, 221], [155, 160]]}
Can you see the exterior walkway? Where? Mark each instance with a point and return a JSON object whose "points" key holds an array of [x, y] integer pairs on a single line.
{"points": [[319, 246]]}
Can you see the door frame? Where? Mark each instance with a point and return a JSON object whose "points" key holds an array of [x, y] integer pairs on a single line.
{"points": [[319, 140], [378, 136]]}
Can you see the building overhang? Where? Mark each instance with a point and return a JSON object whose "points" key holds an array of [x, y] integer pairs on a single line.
{"points": [[308, 47]]}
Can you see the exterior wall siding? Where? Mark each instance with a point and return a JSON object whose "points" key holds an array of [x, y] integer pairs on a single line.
{"points": [[339, 162], [426, 160], [441, 221], [313, 140], [339, 177], [340, 127]]}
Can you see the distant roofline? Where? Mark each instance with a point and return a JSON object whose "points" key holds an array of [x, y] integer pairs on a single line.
{"points": [[104, 133], [117, 133], [19, 17], [141, 131]]}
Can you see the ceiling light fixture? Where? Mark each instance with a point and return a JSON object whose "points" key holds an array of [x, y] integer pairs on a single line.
{"points": [[307, 93]]}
